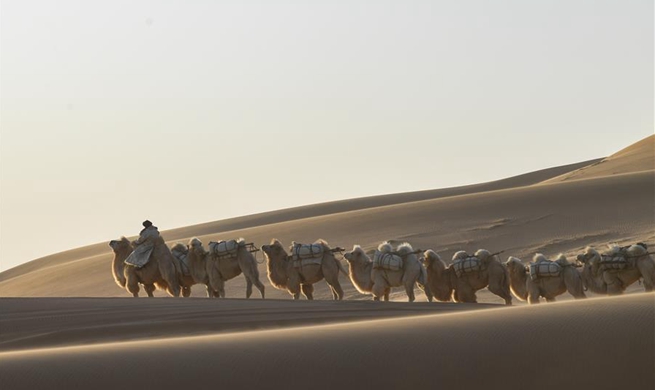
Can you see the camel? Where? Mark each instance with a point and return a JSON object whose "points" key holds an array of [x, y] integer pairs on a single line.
{"points": [[492, 275], [360, 267], [549, 287], [230, 267], [160, 272], [198, 264], [412, 273], [640, 265], [440, 277], [186, 281], [122, 249], [283, 274]]}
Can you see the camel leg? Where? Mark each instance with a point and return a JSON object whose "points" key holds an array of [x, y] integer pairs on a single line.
{"points": [[409, 289], [614, 284], [387, 291], [378, 290], [551, 299], [293, 286], [186, 291], [132, 284], [248, 288], [465, 293], [647, 271], [210, 292], [254, 281], [498, 289], [260, 287], [150, 289], [533, 294], [333, 282], [307, 291], [575, 287]]}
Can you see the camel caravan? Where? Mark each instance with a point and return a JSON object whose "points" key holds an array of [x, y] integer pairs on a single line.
{"points": [[149, 263]]}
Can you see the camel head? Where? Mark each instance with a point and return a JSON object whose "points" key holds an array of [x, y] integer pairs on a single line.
{"points": [[590, 261], [195, 246], [120, 245], [356, 256], [180, 248], [274, 251], [515, 265], [431, 259]]}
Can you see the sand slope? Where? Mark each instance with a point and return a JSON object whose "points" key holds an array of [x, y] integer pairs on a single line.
{"points": [[30, 323], [522, 215], [591, 344], [636, 157]]}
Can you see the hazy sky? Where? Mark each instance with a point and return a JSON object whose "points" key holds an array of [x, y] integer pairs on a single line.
{"points": [[192, 111]]}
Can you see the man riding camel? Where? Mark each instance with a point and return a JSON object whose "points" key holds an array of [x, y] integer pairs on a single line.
{"points": [[143, 246]]}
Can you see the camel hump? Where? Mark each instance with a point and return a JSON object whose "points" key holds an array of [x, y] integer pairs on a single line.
{"points": [[385, 247], [323, 243], [431, 255], [539, 258], [514, 260], [562, 260], [482, 254], [460, 255], [637, 250], [404, 249]]}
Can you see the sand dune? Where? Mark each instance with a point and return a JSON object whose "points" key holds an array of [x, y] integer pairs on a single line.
{"points": [[562, 217], [602, 343], [521, 215], [599, 343], [635, 158], [56, 322]]}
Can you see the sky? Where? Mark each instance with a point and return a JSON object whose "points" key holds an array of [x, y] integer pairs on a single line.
{"points": [[186, 112]]}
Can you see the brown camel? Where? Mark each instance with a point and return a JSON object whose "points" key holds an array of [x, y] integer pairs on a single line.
{"points": [[197, 265], [599, 279], [160, 272], [285, 276], [439, 277], [224, 268], [549, 287], [492, 274]]}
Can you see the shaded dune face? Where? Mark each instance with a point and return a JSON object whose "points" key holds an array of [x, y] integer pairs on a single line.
{"points": [[248, 357]]}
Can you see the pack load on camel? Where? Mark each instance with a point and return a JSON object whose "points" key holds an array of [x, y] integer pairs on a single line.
{"points": [[306, 254], [618, 258], [541, 267], [387, 260], [225, 249], [143, 246], [181, 253], [230, 249], [463, 263]]}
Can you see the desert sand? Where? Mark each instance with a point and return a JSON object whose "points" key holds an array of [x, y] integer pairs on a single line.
{"points": [[84, 332]]}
